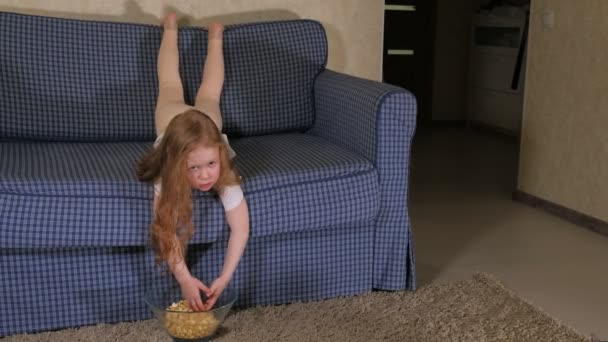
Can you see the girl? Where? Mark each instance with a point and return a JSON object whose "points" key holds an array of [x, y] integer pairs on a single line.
{"points": [[191, 153]]}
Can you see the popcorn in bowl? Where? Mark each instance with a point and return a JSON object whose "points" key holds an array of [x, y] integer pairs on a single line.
{"points": [[182, 322], [164, 297]]}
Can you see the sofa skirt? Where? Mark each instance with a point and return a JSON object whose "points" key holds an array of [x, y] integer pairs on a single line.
{"points": [[48, 289]]}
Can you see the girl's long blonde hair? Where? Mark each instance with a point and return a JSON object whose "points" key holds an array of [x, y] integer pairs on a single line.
{"points": [[168, 161]]}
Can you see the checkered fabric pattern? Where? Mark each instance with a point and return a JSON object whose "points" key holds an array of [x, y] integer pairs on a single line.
{"points": [[71, 287], [76, 80], [97, 80], [270, 69], [87, 194], [377, 121]]}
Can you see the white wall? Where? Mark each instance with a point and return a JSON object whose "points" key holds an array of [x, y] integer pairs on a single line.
{"points": [[564, 140], [354, 27]]}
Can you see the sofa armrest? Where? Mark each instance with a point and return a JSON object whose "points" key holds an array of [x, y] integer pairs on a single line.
{"points": [[362, 115], [378, 121]]}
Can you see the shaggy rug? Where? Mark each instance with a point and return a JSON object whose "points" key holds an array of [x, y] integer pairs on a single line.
{"points": [[478, 309]]}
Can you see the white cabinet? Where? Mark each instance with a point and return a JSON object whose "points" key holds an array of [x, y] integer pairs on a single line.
{"points": [[491, 100]]}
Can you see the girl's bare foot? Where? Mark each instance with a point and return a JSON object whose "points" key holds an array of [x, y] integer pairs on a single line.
{"points": [[170, 21], [216, 30]]}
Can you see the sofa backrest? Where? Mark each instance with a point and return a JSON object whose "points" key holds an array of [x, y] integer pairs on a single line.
{"points": [[76, 80]]}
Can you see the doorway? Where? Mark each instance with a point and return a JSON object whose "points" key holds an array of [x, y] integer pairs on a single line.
{"points": [[409, 30]]}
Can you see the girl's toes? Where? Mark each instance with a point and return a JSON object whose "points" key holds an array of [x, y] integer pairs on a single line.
{"points": [[170, 21]]}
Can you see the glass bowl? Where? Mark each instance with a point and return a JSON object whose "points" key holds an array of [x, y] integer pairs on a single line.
{"points": [[185, 326]]}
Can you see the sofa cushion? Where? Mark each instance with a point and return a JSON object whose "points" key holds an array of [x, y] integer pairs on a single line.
{"points": [[96, 81], [87, 194]]}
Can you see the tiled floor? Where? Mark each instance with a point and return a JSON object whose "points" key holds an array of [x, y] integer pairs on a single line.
{"points": [[464, 220]]}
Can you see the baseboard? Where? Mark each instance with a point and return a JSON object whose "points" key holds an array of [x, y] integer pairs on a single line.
{"points": [[570, 215], [448, 123]]}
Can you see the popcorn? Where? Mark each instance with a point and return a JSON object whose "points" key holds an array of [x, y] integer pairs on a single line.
{"points": [[182, 322]]}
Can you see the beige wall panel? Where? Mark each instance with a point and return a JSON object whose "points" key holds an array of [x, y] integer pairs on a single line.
{"points": [[564, 141], [354, 27]]}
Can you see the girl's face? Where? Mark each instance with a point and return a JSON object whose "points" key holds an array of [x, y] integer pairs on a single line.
{"points": [[203, 167]]}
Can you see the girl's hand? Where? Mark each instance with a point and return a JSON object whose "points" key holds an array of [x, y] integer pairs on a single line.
{"points": [[191, 291], [217, 287]]}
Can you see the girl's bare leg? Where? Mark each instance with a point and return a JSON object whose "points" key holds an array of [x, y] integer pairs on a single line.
{"points": [[170, 101], [208, 96]]}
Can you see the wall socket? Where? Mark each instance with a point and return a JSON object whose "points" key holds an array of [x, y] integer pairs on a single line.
{"points": [[548, 19]]}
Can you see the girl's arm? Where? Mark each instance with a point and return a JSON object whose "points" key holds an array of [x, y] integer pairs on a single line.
{"points": [[189, 285], [238, 220]]}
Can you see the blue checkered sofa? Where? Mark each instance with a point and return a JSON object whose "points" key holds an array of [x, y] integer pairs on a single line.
{"points": [[324, 158]]}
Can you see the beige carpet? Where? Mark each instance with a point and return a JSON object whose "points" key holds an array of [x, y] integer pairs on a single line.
{"points": [[479, 309]]}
